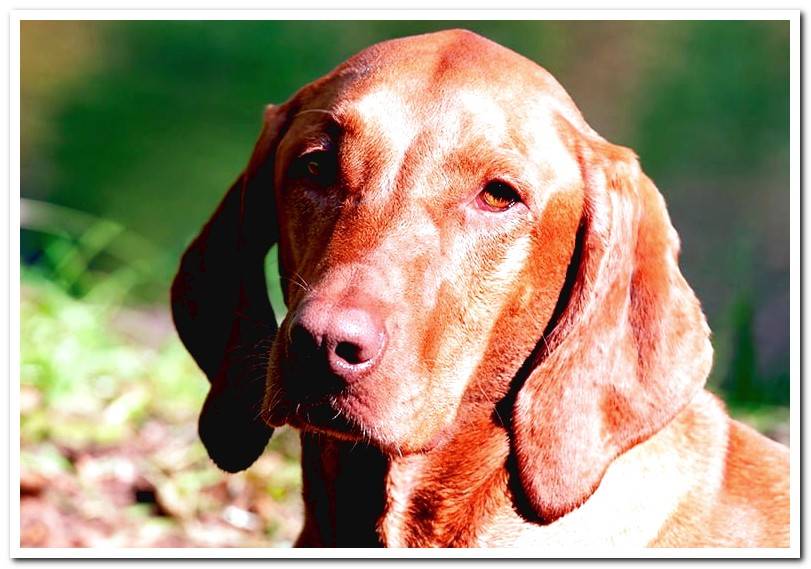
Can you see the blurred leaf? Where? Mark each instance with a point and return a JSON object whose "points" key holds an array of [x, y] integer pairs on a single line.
{"points": [[46, 460]]}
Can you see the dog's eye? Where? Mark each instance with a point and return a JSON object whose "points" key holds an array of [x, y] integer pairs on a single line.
{"points": [[318, 166], [497, 197], [314, 168]]}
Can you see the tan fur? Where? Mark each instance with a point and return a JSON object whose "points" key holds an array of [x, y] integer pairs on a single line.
{"points": [[541, 381]]}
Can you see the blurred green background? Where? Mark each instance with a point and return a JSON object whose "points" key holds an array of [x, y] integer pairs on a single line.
{"points": [[132, 131]]}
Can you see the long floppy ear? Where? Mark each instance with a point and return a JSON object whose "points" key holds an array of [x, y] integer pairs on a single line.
{"points": [[221, 308], [629, 349]]}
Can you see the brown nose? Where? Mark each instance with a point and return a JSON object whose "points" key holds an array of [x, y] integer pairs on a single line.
{"points": [[350, 339]]}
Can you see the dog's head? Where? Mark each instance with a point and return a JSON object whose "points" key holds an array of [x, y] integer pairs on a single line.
{"points": [[451, 233]]}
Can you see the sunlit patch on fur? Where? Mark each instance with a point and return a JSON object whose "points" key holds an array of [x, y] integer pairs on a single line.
{"points": [[541, 135], [386, 111], [386, 116], [487, 117]]}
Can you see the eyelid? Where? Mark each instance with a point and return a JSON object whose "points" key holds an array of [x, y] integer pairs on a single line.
{"points": [[310, 149], [319, 145]]}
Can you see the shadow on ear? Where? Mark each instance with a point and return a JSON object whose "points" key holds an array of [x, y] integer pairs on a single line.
{"points": [[630, 346], [222, 312]]}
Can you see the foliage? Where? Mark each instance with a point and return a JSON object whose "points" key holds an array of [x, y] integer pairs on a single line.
{"points": [[109, 402]]}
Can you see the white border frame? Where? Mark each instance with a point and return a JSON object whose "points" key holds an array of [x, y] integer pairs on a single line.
{"points": [[793, 16]]}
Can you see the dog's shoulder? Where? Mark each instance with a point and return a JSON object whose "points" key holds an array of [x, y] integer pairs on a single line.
{"points": [[741, 499], [755, 495]]}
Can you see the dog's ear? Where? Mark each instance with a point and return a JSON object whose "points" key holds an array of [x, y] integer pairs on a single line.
{"points": [[629, 346], [221, 308]]}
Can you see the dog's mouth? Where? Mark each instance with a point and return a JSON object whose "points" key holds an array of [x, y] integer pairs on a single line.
{"points": [[345, 417], [374, 409], [326, 412], [303, 392], [328, 418]]}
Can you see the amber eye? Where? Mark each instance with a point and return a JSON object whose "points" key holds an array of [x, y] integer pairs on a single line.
{"points": [[318, 166], [497, 197]]}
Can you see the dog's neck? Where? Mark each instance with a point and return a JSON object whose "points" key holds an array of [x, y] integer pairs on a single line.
{"points": [[460, 494], [356, 496], [439, 498]]}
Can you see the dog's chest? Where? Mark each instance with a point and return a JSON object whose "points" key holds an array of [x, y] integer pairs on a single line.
{"points": [[402, 479], [637, 497]]}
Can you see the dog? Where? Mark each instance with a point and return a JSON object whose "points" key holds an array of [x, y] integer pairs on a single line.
{"points": [[488, 339]]}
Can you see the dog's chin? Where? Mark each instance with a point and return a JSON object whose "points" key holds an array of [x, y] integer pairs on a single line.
{"points": [[327, 418], [333, 418]]}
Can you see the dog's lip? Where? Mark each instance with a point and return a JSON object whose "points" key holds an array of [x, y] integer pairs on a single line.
{"points": [[324, 416], [333, 416]]}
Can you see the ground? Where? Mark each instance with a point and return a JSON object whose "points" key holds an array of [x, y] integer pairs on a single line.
{"points": [[109, 453]]}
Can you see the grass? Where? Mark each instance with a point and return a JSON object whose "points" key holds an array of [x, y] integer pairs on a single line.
{"points": [[109, 403]]}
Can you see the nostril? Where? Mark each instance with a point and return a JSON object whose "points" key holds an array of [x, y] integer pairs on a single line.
{"points": [[355, 354], [355, 342], [302, 341], [351, 353], [345, 342]]}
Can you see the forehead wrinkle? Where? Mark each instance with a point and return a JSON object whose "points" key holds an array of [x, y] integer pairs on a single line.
{"points": [[471, 133], [446, 133], [467, 167], [415, 175]]}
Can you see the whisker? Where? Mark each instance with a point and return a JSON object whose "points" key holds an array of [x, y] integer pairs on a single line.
{"points": [[302, 281]]}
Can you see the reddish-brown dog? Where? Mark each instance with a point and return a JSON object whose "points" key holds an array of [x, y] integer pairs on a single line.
{"points": [[489, 342]]}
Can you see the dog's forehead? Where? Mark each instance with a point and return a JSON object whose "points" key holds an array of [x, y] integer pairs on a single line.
{"points": [[398, 117], [406, 105], [465, 125], [442, 57], [454, 83], [435, 70]]}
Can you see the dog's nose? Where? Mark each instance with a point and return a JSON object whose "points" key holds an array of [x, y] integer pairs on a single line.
{"points": [[351, 339], [354, 338]]}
